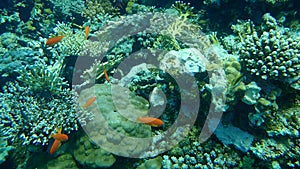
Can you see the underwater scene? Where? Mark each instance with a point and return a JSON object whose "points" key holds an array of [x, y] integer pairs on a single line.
{"points": [[150, 84]]}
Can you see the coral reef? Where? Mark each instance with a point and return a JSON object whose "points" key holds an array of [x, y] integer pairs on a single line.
{"points": [[46, 79], [72, 43], [38, 104], [268, 149], [185, 61], [146, 49], [16, 51], [285, 123]]}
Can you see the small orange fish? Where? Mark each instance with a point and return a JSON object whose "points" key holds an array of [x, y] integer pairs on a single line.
{"points": [[154, 122], [58, 138], [54, 40], [87, 31], [89, 102], [106, 75]]}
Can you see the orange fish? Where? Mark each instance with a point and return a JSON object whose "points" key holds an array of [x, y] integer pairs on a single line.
{"points": [[54, 40], [89, 102], [58, 138], [151, 121], [87, 31], [106, 75]]}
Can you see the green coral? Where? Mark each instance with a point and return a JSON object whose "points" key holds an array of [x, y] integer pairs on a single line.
{"points": [[64, 161], [68, 7], [91, 156], [273, 2], [117, 109], [16, 51], [269, 149], [155, 163], [285, 123]]}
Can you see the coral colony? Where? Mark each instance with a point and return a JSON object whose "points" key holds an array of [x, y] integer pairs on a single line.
{"points": [[137, 84]]}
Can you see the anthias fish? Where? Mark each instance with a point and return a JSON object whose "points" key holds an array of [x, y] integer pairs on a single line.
{"points": [[87, 31], [106, 75], [58, 138], [89, 102], [54, 40], [154, 122]]}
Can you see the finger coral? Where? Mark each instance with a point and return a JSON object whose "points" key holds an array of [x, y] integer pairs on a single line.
{"points": [[271, 52]]}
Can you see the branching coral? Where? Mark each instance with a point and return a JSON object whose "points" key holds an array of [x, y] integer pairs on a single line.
{"points": [[33, 118], [190, 154], [68, 7], [33, 109], [43, 78], [271, 52]]}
